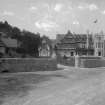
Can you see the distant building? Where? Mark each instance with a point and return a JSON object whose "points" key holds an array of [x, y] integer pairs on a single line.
{"points": [[45, 50], [99, 45], [2, 48], [75, 44], [8, 46]]}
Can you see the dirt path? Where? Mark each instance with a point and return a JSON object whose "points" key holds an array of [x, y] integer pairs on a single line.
{"points": [[82, 87]]}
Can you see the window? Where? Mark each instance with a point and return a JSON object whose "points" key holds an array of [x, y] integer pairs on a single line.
{"points": [[99, 53], [99, 45], [72, 53]]}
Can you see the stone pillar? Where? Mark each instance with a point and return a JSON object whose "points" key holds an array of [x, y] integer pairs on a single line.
{"points": [[76, 61], [82, 63], [53, 55]]}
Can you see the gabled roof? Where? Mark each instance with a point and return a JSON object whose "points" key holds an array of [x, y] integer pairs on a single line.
{"points": [[71, 40], [75, 38], [66, 46], [8, 42]]}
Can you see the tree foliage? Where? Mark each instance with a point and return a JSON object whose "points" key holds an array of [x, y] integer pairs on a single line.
{"points": [[29, 41]]}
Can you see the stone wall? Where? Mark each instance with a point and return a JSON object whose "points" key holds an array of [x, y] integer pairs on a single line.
{"points": [[82, 61], [28, 64], [91, 62]]}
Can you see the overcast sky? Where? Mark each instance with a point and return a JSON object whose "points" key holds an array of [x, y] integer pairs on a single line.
{"points": [[54, 16]]}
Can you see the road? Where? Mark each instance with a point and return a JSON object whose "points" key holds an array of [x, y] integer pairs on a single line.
{"points": [[66, 87]]}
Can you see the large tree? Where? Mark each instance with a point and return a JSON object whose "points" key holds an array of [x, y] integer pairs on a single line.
{"points": [[30, 43]]}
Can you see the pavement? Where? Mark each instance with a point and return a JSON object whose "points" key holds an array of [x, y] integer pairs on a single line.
{"points": [[70, 86]]}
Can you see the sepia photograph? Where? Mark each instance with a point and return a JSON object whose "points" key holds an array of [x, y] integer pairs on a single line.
{"points": [[52, 52]]}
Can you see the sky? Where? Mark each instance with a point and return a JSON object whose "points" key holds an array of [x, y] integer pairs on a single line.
{"points": [[51, 17]]}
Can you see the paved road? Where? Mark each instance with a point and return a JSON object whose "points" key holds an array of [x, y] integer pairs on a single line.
{"points": [[66, 87]]}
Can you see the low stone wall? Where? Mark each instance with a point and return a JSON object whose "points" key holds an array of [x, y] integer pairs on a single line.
{"points": [[91, 62], [82, 61], [28, 64], [94, 63]]}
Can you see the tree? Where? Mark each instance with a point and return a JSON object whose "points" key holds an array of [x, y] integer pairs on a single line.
{"points": [[30, 43], [16, 33]]}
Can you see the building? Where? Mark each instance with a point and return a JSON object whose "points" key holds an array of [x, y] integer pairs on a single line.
{"points": [[8, 45], [75, 44], [45, 50], [99, 45], [2, 49]]}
